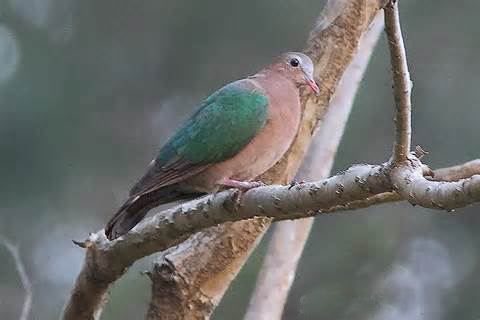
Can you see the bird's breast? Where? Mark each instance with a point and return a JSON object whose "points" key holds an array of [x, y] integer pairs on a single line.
{"points": [[267, 147]]}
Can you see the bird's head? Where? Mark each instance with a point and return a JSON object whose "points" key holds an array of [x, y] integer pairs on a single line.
{"points": [[298, 67]]}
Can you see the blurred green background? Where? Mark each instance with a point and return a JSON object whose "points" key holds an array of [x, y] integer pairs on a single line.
{"points": [[90, 89]]}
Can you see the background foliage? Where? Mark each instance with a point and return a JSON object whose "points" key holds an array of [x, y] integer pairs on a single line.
{"points": [[90, 89]]}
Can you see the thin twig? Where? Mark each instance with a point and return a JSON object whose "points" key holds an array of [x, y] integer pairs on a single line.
{"points": [[402, 86], [459, 172], [27, 285]]}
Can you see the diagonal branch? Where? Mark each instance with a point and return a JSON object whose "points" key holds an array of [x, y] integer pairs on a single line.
{"points": [[331, 46], [402, 86], [358, 183], [107, 260], [289, 237], [27, 285]]}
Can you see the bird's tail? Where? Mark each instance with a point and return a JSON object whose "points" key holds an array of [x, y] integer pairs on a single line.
{"points": [[136, 208], [125, 219]]}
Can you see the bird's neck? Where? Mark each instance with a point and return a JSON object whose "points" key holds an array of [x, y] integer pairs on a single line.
{"points": [[268, 77]]}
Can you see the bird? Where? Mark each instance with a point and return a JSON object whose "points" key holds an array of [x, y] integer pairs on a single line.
{"points": [[236, 134]]}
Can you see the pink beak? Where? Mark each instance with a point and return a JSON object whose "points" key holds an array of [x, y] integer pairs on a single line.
{"points": [[311, 83]]}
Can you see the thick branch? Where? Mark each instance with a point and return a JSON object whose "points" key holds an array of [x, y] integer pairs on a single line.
{"points": [[410, 183], [358, 183], [108, 260], [174, 273], [402, 85], [331, 46], [455, 173], [289, 237], [280, 202]]}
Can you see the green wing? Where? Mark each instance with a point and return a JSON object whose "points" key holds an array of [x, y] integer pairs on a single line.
{"points": [[223, 125]]}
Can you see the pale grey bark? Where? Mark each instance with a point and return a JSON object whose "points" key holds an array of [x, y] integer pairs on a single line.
{"points": [[409, 182], [107, 260], [289, 237], [331, 45]]}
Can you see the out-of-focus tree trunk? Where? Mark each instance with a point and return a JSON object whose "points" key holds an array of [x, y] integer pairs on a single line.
{"points": [[289, 237], [190, 279]]}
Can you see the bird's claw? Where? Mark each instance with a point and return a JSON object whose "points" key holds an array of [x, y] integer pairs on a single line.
{"points": [[240, 188], [243, 185]]}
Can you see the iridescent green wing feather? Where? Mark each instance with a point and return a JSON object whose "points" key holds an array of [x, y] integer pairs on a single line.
{"points": [[223, 125]]}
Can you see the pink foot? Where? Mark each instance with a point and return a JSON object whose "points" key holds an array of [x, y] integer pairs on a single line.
{"points": [[242, 185]]}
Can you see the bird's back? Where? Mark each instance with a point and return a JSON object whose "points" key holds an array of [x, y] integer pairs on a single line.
{"points": [[267, 147], [222, 126]]}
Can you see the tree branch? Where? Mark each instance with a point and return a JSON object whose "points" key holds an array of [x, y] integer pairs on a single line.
{"points": [[408, 172], [331, 46], [459, 172], [289, 237], [108, 260], [166, 229], [27, 285], [402, 86], [449, 174], [409, 182]]}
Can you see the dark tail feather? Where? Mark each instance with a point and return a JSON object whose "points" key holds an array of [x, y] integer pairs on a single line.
{"points": [[124, 219], [134, 210]]}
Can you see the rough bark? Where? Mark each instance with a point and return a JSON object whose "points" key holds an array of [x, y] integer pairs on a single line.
{"points": [[289, 237], [331, 46], [175, 273], [408, 180], [107, 260]]}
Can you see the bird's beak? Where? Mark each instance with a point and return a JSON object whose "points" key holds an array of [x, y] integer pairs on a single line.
{"points": [[312, 84]]}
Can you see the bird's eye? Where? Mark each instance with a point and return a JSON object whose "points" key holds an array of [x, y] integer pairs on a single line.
{"points": [[294, 62]]}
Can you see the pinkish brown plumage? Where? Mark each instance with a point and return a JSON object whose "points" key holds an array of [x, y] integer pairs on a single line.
{"points": [[238, 133]]}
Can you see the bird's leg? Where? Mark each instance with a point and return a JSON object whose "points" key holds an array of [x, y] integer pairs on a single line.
{"points": [[242, 185]]}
